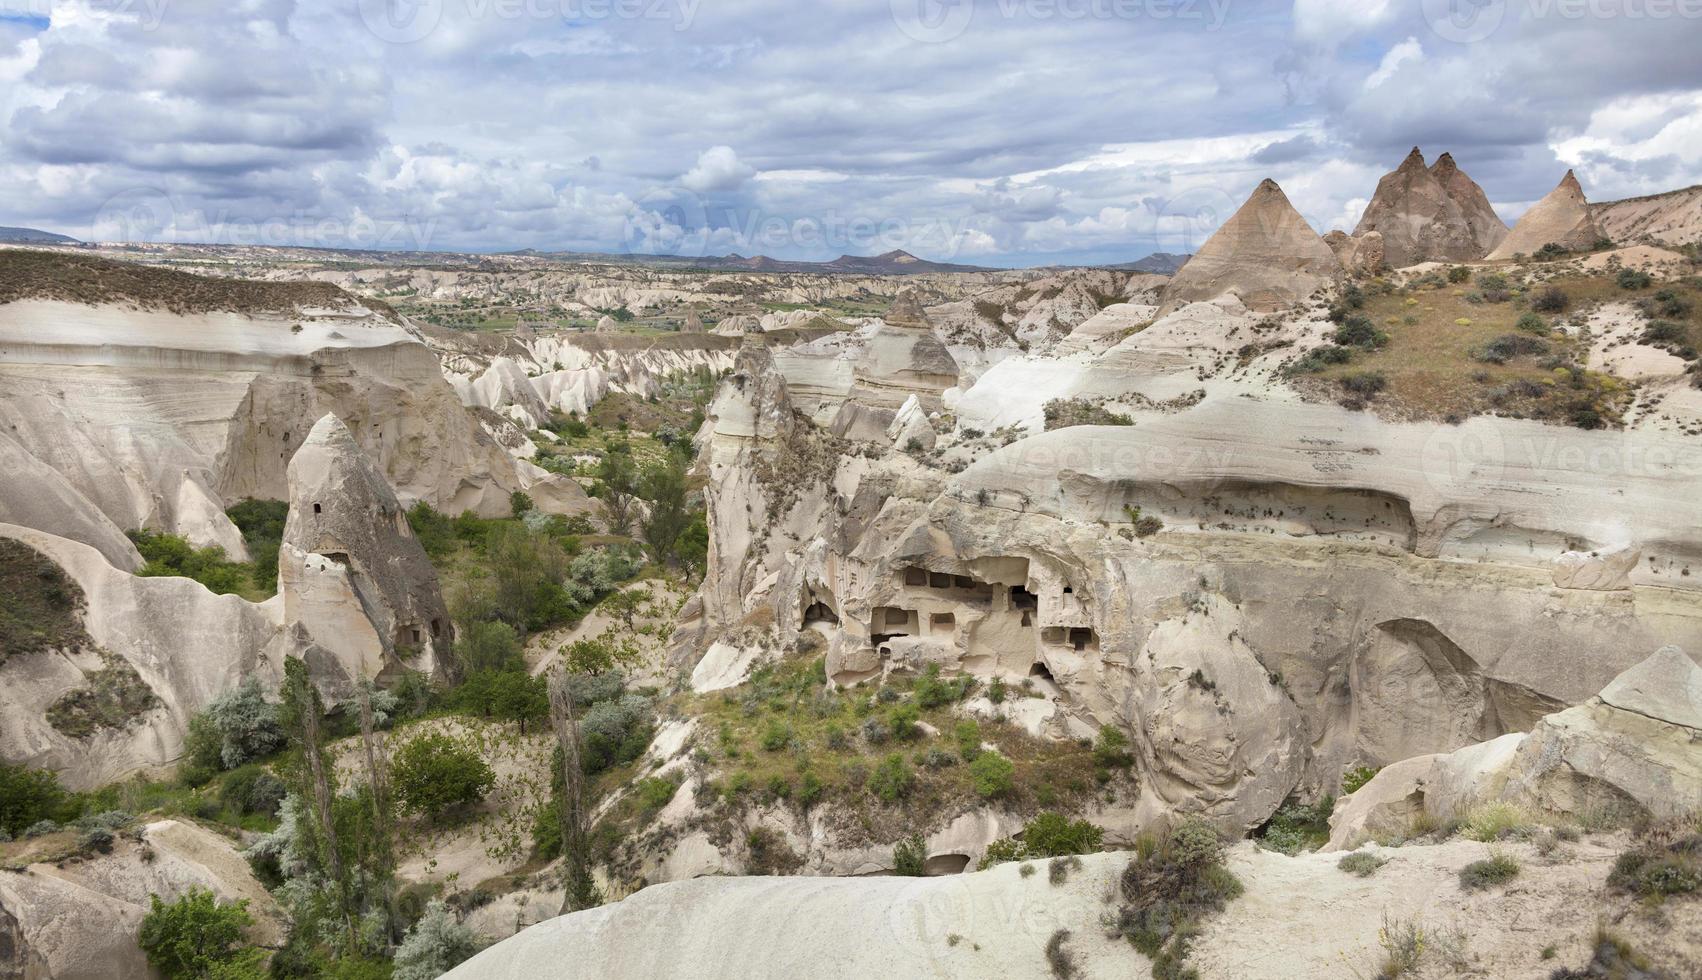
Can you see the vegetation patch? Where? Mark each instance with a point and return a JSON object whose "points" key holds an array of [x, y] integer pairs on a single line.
{"points": [[87, 279], [1497, 869], [1297, 826], [1168, 889], [112, 697], [1667, 861], [40, 607], [1361, 863], [1062, 413]]}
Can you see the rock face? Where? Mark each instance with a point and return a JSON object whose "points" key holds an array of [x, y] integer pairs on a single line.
{"points": [[1603, 571], [1673, 218], [1266, 254], [693, 322], [1562, 218], [1628, 753], [1362, 254], [351, 574], [79, 920], [1431, 214], [186, 645], [904, 359]]}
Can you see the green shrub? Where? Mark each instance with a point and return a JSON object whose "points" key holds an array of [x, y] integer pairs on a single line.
{"points": [[488, 645], [433, 773], [1357, 330], [909, 856], [1654, 870], [1532, 323], [1550, 299], [991, 774], [246, 723], [27, 797], [932, 692], [1297, 826], [615, 732], [1459, 274], [1497, 869], [1111, 749], [996, 690], [903, 719], [1361, 863], [169, 555], [262, 525], [967, 735], [193, 936], [434, 946], [1169, 889], [1364, 383], [891, 778], [1495, 821], [776, 736], [1508, 346], [1052, 834], [1358, 776], [1634, 279]]}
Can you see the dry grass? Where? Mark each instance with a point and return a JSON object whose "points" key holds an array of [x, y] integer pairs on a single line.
{"points": [[26, 274], [40, 607], [1430, 370]]}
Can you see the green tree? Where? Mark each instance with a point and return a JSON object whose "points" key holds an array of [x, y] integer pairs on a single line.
{"points": [[617, 486], [433, 773], [434, 946], [892, 778], [193, 936], [691, 548], [664, 486], [481, 646], [27, 796]]}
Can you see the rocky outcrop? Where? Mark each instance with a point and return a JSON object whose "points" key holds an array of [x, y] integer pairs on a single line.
{"points": [[1266, 254], [904, 359], [351, 575], [1360, 255], [79, 920], [1673, 218], [1629, 753], [1430, 214], [1604, 571], [1562, 218], [183, 644]]}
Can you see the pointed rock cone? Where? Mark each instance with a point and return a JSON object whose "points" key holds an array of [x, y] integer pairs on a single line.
{"points": [[1430, 214], [1562, 218], [1265, 253], [904, 358]]}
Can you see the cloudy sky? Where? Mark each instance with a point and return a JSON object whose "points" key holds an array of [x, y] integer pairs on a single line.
{"points": [[997, 132]]}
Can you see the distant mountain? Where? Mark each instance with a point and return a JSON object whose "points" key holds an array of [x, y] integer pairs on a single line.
{"points": [[1158, 263], [34, 236], [895, 263]]}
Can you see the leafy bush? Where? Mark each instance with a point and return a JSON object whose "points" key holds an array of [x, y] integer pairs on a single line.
{"points": [[1495, 821], [931, 692], [1364, 383], [1550, 299], [246, 723], [433, 773], [1169, 889], [1357, 330], [1497, 869], [1361, 863], [1459, 274], [967, 735], [1111, 749], [1664, 332], [891, 778], [251, 789], [1358, 776], [194, 936], [1531, 323], [1320, 358], [434, 946], [1508, 346], [262, 525], [1052, 834], [903, 718], [1656, 869], [95, 839], [172, 556], [1634, 279], [991, 774], [776, 736], [1297, 826], [615, 732], [909, 856], [27, 798]]}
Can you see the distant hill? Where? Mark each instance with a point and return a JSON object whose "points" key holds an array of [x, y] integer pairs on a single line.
{"points": [[1673, 218], [895, 263], [1160, 263], [34, 236]]}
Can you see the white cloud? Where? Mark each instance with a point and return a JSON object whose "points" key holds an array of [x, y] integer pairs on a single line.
{"points": [[718, 169], [1406, 52]]}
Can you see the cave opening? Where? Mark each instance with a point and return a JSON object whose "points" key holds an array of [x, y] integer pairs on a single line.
{"points": [[819, 612], [1042, 672]]}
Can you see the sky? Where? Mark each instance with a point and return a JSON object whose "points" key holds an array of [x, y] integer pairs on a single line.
{"points": [[988, 132]]}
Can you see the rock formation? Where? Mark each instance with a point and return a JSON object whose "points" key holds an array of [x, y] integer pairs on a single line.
{"points": [[168, 641], [1562, 218], [1265, 253], [904, 359], [1628, 753], [350, 572], [1673, 218], [78, 920], [1361, 254], [1431, 214], [693, 322]]}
